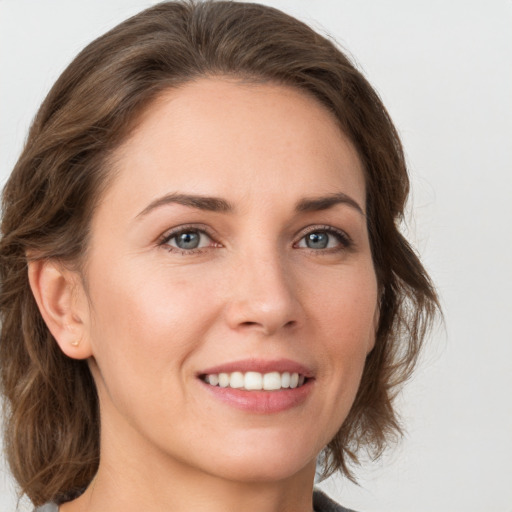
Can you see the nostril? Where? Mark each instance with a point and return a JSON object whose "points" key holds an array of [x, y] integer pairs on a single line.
{"points": [[267, 327], [249, 324]]}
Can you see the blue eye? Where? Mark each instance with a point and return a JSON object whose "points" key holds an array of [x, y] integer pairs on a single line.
{"points": [[324, 239], [188, 240], [317, 240]]}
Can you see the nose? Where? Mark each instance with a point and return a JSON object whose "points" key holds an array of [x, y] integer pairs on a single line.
{"points": [[263, 296]]}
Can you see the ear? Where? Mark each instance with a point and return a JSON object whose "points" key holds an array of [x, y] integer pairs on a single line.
{"points": [[62, 301]]}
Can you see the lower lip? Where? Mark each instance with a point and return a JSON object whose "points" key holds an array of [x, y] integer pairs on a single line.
{"points": [[262, 402]]}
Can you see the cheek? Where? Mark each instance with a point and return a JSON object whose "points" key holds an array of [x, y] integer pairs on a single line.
{"points": [[346, 318], [145, 323], [347, 307]]}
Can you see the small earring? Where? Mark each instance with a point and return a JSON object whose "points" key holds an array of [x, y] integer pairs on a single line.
{"points": [[75, 343]]}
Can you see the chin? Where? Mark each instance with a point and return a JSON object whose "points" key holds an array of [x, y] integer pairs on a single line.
{"points": [[264, 466], [264, 473]]}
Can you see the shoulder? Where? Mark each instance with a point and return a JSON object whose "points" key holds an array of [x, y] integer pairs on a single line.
{"points": [[322, 503], [49, 507]]}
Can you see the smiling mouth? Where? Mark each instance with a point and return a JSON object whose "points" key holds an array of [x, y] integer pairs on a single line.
{"points": [[256, 381]]}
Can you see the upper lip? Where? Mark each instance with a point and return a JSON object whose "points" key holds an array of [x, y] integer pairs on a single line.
{"points": [[261, 366]]}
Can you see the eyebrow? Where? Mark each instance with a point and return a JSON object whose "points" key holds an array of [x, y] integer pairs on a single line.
{"points": [[217, 204], [211, 204], [326, 202]]}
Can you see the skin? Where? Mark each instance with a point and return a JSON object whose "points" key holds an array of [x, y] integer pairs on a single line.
{"points": [[151, 316]]}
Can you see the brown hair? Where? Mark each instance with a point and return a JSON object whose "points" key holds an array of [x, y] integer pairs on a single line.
{"points": [[52, 419]]}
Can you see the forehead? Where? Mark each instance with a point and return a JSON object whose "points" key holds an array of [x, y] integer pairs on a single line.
{"points": [[221, 136]]}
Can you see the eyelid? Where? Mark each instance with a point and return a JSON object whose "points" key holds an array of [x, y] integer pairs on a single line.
{"points": [[345, 240], [173, 232]]}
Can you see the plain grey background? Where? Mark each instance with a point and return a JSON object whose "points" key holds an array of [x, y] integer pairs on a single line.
{"points": [[444, 70]]}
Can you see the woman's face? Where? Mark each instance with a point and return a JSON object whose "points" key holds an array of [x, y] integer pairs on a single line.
{"points": [[231, 246]]}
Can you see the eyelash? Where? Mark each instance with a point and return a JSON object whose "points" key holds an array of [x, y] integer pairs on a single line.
{"points": [[193, 228], [345, 241]]}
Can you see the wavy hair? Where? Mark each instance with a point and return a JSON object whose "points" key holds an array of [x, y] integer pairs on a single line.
{"points": [[51, 407]]}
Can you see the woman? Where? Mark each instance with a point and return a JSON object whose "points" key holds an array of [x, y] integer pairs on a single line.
{"points": [[217, 289]]}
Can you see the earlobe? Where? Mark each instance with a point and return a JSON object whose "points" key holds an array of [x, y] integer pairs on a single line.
{"points": [[61, 300]]}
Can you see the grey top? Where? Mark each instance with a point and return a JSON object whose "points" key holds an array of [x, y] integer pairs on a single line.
{"points": [[49, 507], [321, 503]]}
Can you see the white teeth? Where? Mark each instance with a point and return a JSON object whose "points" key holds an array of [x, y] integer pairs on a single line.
{"points": [[236, 380], [212, 379], [253, 380], [271, 381], [223, 380]]}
